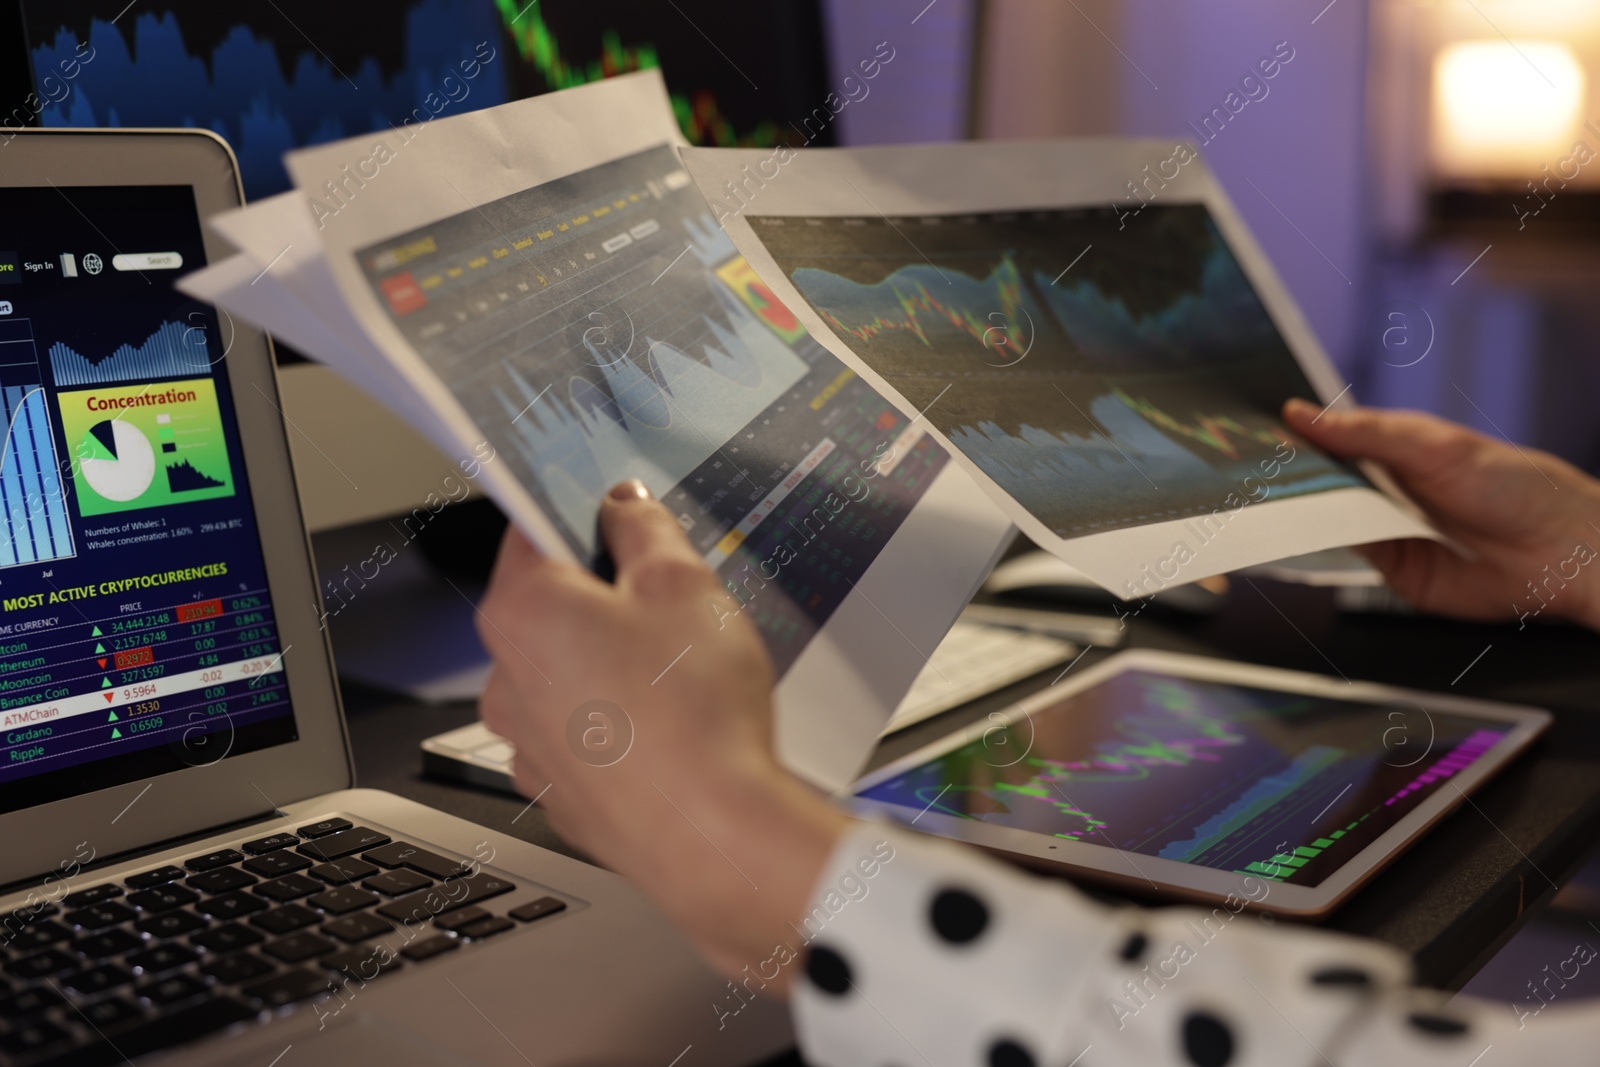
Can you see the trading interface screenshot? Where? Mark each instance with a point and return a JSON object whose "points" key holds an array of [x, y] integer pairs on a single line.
{"points": [[278, 76], [136, 629]]}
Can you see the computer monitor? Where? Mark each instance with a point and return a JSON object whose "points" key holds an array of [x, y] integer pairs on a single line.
{"points": [[282, 75]]}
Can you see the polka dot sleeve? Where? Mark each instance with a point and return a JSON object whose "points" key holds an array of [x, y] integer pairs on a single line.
{"points": [[923, 953]]}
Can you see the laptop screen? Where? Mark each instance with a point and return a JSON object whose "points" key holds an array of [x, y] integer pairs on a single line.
{"points": [[137, 635]]}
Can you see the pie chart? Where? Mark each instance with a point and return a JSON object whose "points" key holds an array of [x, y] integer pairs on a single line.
{"points": [[116, 460]]}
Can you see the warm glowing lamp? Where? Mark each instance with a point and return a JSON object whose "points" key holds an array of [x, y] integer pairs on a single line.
{"points": [[1504, 108]]}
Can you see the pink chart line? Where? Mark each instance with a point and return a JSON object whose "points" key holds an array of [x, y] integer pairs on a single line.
{"points": [[1462, 756]]}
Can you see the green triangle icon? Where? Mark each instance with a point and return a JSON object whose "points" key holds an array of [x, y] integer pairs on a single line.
{"points": [[99, 649], [105, 683], [96, 632], [113, 717], [116, 734]]}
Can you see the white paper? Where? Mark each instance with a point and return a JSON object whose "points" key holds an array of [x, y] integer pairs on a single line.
{"points": [[862, 212], [455, 271]]}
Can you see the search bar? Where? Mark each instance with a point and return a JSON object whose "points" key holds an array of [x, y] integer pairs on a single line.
{"points": [[147, 261]]}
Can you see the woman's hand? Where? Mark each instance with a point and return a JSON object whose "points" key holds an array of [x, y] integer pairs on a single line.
{"points": [[641, 715], [1531, 520]]}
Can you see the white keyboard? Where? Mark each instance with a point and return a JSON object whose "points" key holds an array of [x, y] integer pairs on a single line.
{"points": [[974, 659]]}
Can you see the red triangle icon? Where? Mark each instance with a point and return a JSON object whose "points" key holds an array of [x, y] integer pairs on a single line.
{"points": [[102, 663], [109, 696]]}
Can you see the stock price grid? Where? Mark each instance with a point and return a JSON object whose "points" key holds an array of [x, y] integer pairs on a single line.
{"points": [[136, 631]]}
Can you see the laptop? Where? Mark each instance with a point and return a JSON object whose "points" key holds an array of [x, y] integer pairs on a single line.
{"points": [[187, 868]]}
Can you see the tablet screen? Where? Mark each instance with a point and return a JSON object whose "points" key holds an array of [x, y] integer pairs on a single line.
{"points": [[1281, 785]]}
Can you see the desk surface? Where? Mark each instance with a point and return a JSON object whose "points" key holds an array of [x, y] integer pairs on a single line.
{"points": [[1450, 901]]}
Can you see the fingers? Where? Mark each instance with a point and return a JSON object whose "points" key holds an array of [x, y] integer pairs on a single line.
{"points": [[642, 535], [1407, 442], [529, 589]]}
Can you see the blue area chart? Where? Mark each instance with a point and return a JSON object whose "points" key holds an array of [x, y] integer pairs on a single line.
{"points": [[172, 351], [1223, 317], [669, 410], [265, 88], [33, 507]]}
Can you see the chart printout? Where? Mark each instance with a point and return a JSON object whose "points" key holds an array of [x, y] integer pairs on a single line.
{"points": [[601, 327]]}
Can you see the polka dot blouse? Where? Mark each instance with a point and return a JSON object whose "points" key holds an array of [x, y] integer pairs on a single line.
{"points": [[923, 953]]}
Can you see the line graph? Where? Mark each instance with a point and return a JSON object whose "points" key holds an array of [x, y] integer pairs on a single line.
{"points": [[1223, 433], [610, 367], [663, 410], [700, 113], [918, 311], [1153, 378], [247, 72], [1217, 774]]}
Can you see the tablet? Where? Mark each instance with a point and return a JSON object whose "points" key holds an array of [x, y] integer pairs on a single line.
{"points": [[1199, 779]]}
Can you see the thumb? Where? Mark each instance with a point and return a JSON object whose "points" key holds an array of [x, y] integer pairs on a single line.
{"points": [[637, 528], [1409, 443]]}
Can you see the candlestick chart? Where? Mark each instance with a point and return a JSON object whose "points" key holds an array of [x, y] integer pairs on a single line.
{"points": [[1103, 379]]}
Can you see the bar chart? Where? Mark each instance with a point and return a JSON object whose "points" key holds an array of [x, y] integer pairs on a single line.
{"points": [[34, 526]]}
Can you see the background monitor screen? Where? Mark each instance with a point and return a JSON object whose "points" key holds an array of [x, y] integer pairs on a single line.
{"points": [[273, 77]]}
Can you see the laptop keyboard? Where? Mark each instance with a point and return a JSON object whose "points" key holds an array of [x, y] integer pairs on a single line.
{"points": [[171, 954]]}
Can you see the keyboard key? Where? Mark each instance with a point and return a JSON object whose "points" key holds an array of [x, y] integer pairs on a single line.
{"points": [[419, 907], [455, 920], [159, 876], [324, 828], [111, 1011], [262, 845], [403, 854], [97, 979], [364, 963], [275, 863], [289, 887], [343, 872], [99, 916], [430, 947], [238, 968], [162, 958], [486, 928], [222, 880], [171, 924], [113, 942], [286, 919], [31, 1038], [298, 947], [343, 843], [341, 899], [231, 905], [288, 987], [537, 909], [212, 860], [397, 883], [42, 964], [123, 1044], [172, 989], [41, 934], [226, 938], [358, 927], [95, 894], [162, 898]]}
